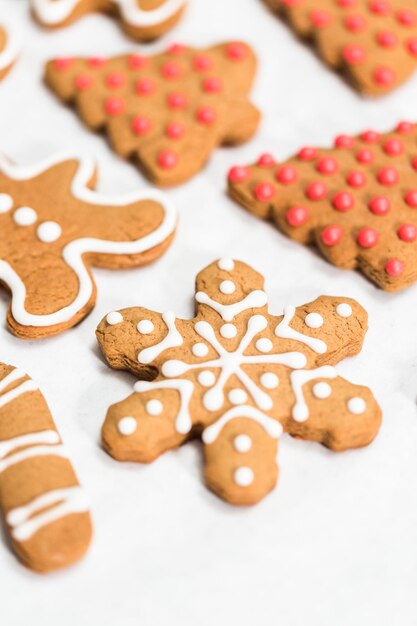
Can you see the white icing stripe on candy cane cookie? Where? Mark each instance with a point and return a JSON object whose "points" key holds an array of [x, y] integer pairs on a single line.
{"points": [[253, 300], [26, 520], [300, 410], [75, 250], [30, 453], [31, 439], [13, 43], [285, 331], [172, 340], [272, 427], [183, 422]]}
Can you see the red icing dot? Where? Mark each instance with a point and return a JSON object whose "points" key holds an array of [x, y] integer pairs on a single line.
{"points": [[202, 62], [320, 18], [367, 237], [364, 155], [384, 76], [264, 191], [177, 48], [83, 81], [297, 216], [412, 46], [177, 100], [407, 232], [370, 136], [388, 176], [394, 267], [331, 235], [355, 23], [414, 163], [145, 86], [411, 198], [406, 17], [238, 174], [175, 130], [141, 124], [286, 174], [266, 160], [380, 7], [114, 106], [379, 205], [167, 159], [343, 201], [405, 128], [356, 179], [212, 84], [393, 146], [236, 51], [387, 39], [354, 54], [137, 61], [347, 4], [307, 154], [171, 69], [327, 165], [63, 63], [97, 62], [344, 141], [206, 115], [316, 190], [115, 80]]}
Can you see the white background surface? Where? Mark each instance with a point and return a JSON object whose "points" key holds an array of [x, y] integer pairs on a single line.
{"points": [[336, 542]]}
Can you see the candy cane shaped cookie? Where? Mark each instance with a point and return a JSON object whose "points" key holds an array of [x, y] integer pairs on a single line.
{"points": [[44, 507]]}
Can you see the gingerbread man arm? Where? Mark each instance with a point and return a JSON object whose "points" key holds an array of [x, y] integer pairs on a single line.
{"points": [[44, 507]]}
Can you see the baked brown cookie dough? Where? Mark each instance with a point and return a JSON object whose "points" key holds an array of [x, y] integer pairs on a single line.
{"points": [[237, 376], [167, 112], [373, 43], [356, 201], [10, 43], [143, 20], [54, 227], [44, 507]]}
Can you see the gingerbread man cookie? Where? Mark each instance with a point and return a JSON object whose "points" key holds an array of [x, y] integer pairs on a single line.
{"points": [[44, 507], [143, 20], [238, 377], [53, 227], [168, 112], [357, 201], [9, 45], [372, 42]]}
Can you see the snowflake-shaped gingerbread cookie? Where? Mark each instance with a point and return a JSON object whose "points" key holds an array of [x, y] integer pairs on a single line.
{"points": [[238, 377]]}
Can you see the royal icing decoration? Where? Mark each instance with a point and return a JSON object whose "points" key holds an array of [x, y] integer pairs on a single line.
{"points": [[238, 391]]}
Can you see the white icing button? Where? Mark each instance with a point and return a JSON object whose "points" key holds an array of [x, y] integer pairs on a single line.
{"points": [[154, 407], [356, 405], [269, 380], [322, 390], [114, 318], [242, 443], [6, 202], [226, 264], [49, 232], [228, 331], [145, 327], [207, 379], [264, 344], [227, 286], [25, 216], [200, 349], [314, 320], [127, 426], [237, 396], [344, 310], [244, 476]]}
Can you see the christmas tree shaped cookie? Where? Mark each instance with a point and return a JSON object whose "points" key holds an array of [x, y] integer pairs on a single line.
{"points": [[237, 376], [143, 20], [168, 112], [372, 42], [356, 201]]}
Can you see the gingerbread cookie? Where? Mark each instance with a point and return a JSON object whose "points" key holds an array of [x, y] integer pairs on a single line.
{"points": [[143, 20], [53, 227], [372, 42], [357, 201], [44, 507], [168, 112], [238, 377], [9, 45]]}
